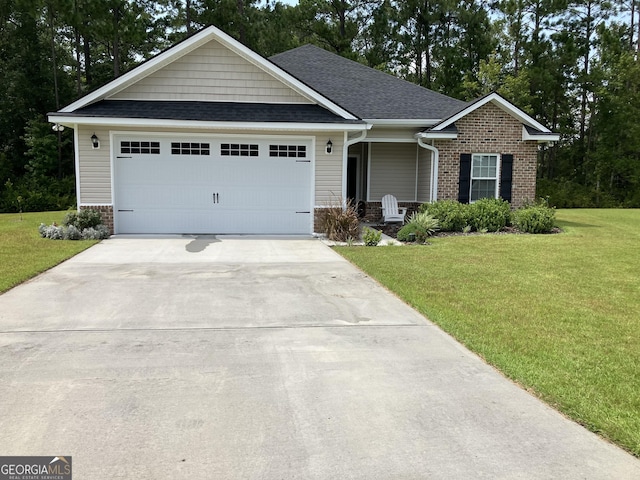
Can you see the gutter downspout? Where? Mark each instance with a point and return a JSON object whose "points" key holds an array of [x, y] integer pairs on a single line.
{"points": [[345, 160], [434, 169]]}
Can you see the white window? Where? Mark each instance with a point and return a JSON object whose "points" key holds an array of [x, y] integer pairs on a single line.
{"points": [[484, 176]]}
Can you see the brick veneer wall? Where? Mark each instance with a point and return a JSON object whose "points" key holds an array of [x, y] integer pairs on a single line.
{"points": [[373, 213], [374, 210], [107, 214], [488, 130]]}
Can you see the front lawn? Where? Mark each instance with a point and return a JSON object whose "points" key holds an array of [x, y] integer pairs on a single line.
{"points": [[23, 254], [559, 314]]}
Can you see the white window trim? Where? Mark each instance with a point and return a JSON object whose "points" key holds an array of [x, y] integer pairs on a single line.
{"points": [[497, 177]]}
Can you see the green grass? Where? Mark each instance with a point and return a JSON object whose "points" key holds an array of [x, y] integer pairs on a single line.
{"points": [[23, 254], [559, 314]]}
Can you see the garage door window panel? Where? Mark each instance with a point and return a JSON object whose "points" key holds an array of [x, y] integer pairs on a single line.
{"points": [[140, 147], [239, 150], [288, 151], [190, 148]]}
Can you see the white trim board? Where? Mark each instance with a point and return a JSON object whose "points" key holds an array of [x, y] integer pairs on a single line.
{"points": [[500, 103], [178, 124]]}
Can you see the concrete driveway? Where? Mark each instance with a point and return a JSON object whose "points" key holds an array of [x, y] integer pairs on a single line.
{"points": [[250, 358]]}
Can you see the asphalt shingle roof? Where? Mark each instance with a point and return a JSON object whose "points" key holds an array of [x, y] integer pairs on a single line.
{"points": [[363, 91], [210, 111]]}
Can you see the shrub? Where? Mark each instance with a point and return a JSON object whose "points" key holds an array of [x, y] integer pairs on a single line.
{"points": [[537, 218], [407, 233], [453, 216], [340, 224], [371, 237], [419, 227], [489, 214], [85, 218], [82, 225], [100, 232], [427, 223], [54, 232], [72, 233]]}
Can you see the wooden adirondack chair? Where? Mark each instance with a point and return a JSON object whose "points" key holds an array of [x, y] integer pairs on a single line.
{"points": [[390, 210]]}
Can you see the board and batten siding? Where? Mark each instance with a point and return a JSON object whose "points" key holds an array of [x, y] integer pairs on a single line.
{"points": [[95, 167], [211, 72], [424, 176], [393, 171]]}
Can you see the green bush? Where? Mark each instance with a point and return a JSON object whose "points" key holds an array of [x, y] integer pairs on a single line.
{"points": [[100, 232], [453, 216], [338, 223], [419, 227], [538, 218], [72, 233], [371, 237], [408, 233], [82, 219], [489, 214], [83, 225]]}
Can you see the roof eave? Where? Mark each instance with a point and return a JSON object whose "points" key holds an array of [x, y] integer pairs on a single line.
{"points": [[542, 137], [71, 120], [502, 104], [431, 135], [402, 122]]}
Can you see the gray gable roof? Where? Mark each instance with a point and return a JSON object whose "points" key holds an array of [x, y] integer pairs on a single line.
{"points": [[209, 111], [364, 91]]}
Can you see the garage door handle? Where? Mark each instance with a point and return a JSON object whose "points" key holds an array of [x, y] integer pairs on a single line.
{"points": [[125, 210], [216, 198], [303, 212]]}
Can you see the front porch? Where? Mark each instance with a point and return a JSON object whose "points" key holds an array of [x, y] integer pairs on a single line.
{"points": [[399, 167]]}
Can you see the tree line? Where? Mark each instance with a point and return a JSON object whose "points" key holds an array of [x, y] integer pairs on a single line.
{"points": [[572, 64]]}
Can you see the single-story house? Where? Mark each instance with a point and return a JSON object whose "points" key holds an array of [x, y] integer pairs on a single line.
{"points": [[210, 137]]}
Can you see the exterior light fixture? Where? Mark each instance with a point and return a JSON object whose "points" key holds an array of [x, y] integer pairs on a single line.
{"points": [[329, 147], [57, 127], [95, 141]]}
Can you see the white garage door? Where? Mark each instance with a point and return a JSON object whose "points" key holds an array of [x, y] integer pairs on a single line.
{"points": [[212, 185]]}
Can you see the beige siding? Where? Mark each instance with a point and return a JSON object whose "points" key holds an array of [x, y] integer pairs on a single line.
{"points": [[329, 169], [211, 73], [424, 175], [381, 133], [95, 167], [393, 170]]}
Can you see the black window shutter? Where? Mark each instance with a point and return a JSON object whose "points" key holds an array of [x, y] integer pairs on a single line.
{"points": [[464, 188], [506, 174]]}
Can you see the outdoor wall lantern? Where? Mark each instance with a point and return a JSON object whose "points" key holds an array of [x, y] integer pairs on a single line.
{"points": [[95, 141], [57, 127], [329, 147]]}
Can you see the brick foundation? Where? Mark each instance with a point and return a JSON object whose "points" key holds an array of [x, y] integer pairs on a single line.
{"points": [[489, 130], [374, 210], [373, 213], [107, 214]]}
